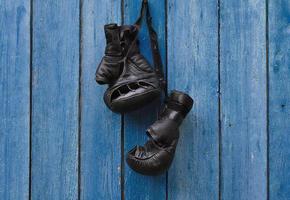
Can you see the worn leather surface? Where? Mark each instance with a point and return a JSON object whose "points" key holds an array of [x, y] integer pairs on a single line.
{"points": [[110, 66], [137, 85], [157, 154]]}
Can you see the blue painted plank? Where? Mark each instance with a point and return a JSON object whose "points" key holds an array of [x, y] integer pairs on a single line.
{"points": [[193, 68], [243, 100], [14, 98], [135, 124], [279, 99], [55, 99], [100, 128]]}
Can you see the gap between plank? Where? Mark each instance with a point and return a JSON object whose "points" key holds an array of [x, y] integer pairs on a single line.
{"points": [[80, 100], [30, 98], [267, 99], [219, 102]]}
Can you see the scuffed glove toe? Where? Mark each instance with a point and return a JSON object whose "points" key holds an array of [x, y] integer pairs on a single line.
{"points": [[150, 159]]}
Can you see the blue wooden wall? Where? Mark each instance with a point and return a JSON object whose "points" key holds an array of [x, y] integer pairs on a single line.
{"points": [[59, 141]]}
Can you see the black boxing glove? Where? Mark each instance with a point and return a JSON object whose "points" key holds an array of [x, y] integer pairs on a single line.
{"points": [[137, 84], [157, 154], [132, 82]]}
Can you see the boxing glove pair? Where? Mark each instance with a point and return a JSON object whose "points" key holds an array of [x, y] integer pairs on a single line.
{"points": [[132, 84]]}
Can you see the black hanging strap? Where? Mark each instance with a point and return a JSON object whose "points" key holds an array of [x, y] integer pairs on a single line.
{"points": [[153, 42]]}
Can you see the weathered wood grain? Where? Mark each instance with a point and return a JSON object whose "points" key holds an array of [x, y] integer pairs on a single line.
{"points": [[61, 111], [279, 99], [100, 128], [193, 68], [137, 186], [14, 99], [243, 99], [55, 99]]}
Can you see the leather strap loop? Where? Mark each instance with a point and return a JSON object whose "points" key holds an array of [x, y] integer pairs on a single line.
{"points": [[153, 42]]}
